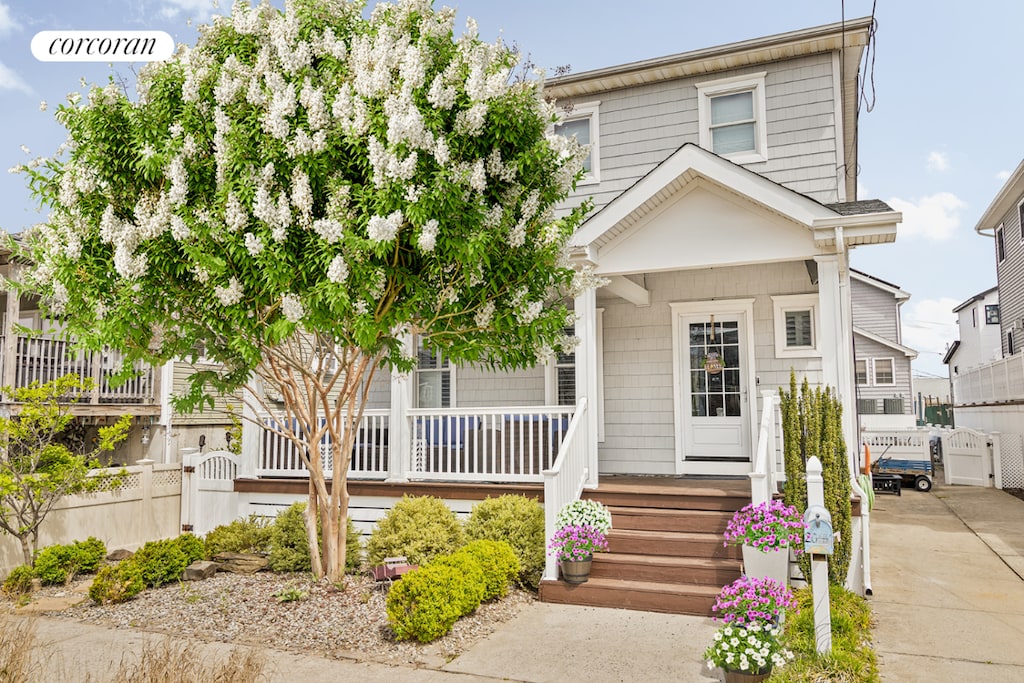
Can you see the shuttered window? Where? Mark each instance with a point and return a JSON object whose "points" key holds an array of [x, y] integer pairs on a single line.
{"points": [[433, 378], [799, 329]]}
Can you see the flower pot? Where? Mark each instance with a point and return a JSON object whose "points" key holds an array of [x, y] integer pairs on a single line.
{"points": [[575, 571], [746, 677], [773, 563]]}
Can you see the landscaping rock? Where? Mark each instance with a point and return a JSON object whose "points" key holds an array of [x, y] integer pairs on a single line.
{"points": [[200, 570], [119, 554], [240, 563]]}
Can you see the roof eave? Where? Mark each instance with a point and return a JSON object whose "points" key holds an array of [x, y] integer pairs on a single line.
{"points": [[858, 229], [1007, 197]]}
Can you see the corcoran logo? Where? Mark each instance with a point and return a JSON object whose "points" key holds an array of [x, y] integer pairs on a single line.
{"points": [[102, 46]]}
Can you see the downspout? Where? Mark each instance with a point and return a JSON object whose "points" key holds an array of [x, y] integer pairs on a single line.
{"points": [[854, 457]]}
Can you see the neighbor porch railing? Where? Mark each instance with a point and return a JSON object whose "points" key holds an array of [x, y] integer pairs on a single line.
{"points": [[769, 467], [280, 458], [564, 480], [38, 359], [996, 382]]}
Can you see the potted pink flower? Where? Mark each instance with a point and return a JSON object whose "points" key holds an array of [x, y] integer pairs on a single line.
{"points": [[574, 546], [767, 531], [750, 599]]}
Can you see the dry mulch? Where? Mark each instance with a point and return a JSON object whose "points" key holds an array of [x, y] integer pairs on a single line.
{"points": [[234, 608]]}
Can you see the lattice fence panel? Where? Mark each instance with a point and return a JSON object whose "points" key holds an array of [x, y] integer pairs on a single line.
{"points": [[119, 482], [1012, 453], [167, 478]]}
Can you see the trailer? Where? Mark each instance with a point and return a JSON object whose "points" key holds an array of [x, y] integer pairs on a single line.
{"points": [[912, 473]]}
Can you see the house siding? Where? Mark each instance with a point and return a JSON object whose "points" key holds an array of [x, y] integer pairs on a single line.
{"points": [[868, 348], [481, 388], [639, 407], [640, 127], [218, 415], [1010, 276], [874, 310]]}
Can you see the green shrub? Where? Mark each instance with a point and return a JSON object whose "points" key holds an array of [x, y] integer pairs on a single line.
{"points": [[251, 535], [474, 580], [419, 528], [517, 520], [19, 581], [499, 563], [192, 546], [117, 583], [57, 564], [162, 561], [425, 603], [289, 545]]}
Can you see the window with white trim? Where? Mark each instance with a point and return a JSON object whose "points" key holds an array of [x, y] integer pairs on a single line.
{"points": [[861, 371], [581, 122], [796, 325], [732, 117], [435, 378], [884, 372]]}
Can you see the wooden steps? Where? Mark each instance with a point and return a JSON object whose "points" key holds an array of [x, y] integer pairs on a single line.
{"points": [[666, 551]]}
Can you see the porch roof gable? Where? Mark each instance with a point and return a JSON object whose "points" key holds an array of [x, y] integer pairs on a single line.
{"points": [[905, 350]]}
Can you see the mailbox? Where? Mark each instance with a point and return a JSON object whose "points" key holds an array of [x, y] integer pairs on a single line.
{"points": [[819, 538]]}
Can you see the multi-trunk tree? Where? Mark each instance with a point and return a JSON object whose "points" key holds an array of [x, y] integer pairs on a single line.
{"points": [[296, 196]]}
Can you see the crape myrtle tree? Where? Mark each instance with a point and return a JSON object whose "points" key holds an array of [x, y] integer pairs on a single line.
{"points": [[37, 468], [297, 195]]}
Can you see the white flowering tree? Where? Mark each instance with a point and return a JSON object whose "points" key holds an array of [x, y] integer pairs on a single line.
{"points": [[296, 195]]}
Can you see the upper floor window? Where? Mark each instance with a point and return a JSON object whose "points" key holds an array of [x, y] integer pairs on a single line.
{"points": [[1000, 250], [991, 314], [796, 325], [581, 122], [884, 373], [861, 371], [732, 117]]}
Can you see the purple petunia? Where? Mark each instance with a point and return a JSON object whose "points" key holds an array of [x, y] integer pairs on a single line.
{"points": [[767, 526], [753, 600], [577, 542]]}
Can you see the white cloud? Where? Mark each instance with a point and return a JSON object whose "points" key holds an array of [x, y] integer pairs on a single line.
{"points": [[862, 190], [9, 80], [929, 325], [936, 216], [938, 161], [1003, 176], [200, 10], [7, 22]]}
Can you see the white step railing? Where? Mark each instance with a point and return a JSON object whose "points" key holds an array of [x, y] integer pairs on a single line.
{"points": [[280, 458], [507, 444], [564, 480], [769, 467]]}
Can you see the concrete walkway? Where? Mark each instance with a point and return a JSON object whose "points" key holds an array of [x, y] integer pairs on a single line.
{"points": [[947, 570]]}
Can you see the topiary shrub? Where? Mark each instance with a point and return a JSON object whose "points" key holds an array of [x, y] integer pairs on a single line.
{"points": [[18, 582], [57, 564], [289, 545], [518, 521], [475, 586], [426, 602], [251, 535], [420, 528], [499, 563], [117, 583]]}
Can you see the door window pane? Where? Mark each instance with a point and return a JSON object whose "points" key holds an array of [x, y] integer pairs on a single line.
{"points": [[715, 394]]}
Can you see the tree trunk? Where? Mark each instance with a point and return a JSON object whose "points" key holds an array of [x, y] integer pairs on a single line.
{"points": [[310, 515], [26, 549]]}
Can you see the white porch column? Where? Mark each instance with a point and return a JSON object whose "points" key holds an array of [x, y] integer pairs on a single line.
{"points": [[837, 339], [10, 352], [252, 436], [586, 375], [399, 437]]}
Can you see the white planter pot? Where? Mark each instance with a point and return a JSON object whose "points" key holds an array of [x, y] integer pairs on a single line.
{"points": [[774, 563]]}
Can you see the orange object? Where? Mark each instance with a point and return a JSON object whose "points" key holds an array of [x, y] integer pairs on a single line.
{"points": [[867, 459]]}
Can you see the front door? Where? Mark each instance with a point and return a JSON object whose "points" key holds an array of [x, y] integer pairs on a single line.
{"points": [[714, 406]]}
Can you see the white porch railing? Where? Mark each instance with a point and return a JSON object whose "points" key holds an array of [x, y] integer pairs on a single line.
{"points": [[509, 444], [38, 359], [769, 467], [280, 458], [996, 382], [564, 480]]}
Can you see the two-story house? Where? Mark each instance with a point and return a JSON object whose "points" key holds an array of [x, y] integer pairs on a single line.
{"points": [[724, 187], [979, 334], [882, 363]]}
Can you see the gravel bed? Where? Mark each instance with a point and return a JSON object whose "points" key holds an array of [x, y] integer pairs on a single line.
{"points": [[238, 608]]}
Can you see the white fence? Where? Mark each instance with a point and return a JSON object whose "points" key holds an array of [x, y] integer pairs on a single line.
{"points": [[996, 382], [207, 490], [769, 459], [280, 458], [135, 504]]}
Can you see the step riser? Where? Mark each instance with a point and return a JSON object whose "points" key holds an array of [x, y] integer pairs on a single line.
{"points": [[681, 521], [711, 547], [648, 601], [671, 501], [707, 576]]}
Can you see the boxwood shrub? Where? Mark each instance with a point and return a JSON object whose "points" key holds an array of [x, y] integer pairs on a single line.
{"points": [[419, 528], [19, 581], [58, 564], [499, 564], [517, 520], [117, 582], [249, 535], [426, 602], [289, 547]]}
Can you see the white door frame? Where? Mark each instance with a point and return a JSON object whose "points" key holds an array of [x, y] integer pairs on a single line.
{"points": [[744, 308]]}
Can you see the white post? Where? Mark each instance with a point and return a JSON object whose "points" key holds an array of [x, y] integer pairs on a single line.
{"points": [[586, 376], [819, 564], [399, 436], [188, 486], [252, 438], [996, 463]]}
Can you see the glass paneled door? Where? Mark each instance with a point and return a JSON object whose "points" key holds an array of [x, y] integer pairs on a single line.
{"points": [[716, 424]]}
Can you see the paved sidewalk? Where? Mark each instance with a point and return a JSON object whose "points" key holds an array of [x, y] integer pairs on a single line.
{"points": [[948, 597]]}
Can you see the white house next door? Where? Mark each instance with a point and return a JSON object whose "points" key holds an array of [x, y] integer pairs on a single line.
{"points": [[714, 376]]}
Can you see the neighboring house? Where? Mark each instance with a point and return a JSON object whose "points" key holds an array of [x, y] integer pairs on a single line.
{"points": [[988, 395], [882, 363], [979, 342], [45, 355], [725, 209]]}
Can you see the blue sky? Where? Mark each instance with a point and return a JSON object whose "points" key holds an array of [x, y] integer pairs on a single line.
{"points": [[943, 135]]}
